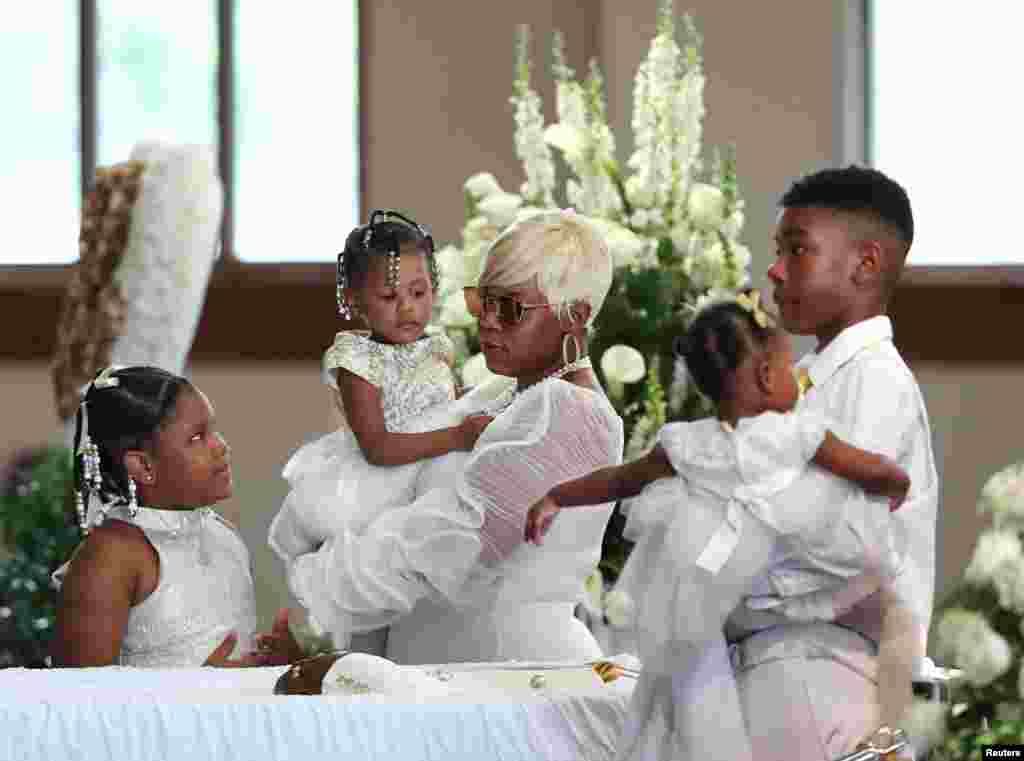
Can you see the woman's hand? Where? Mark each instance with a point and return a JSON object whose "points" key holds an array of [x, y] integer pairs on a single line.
{"points": [[539, 519], [470, 430]]}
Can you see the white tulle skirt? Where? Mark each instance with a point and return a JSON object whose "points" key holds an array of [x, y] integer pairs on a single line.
{"points": [[697, 555], [333, 487]]}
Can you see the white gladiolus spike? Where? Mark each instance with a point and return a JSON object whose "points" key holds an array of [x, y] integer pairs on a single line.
{"points": [[454, 313], [475, 371], [707, 206], [567, 138], [501, 209], [992, 550], [481, 185]]}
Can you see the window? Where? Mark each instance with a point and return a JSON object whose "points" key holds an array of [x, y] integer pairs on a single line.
{"points": [[40, 156], [276, 93], [943, 118]]}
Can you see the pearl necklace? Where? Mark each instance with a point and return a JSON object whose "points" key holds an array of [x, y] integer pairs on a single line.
{"points": [[507, 397]]}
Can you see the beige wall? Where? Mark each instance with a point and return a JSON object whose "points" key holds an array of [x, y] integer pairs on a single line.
{"points": [[438, 78]]}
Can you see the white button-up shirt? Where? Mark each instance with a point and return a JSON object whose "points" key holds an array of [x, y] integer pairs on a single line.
{"points": [[861, 382]]}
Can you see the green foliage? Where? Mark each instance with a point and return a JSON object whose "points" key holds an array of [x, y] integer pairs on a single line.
{"points": [[38, 530]]}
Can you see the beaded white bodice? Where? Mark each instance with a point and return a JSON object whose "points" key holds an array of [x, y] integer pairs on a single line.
{"points": [[411, 377], [205, 590]]}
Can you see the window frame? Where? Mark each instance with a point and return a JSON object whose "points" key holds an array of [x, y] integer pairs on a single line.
{"points": [[253, 310], [936, 309]]}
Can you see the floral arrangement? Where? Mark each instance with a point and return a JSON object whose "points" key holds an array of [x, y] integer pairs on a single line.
{"points": [[39, 532], [671, 219], [980, 629]]}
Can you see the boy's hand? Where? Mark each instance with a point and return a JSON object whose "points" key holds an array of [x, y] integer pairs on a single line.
{"points": [[539, 519], [470, 430]]}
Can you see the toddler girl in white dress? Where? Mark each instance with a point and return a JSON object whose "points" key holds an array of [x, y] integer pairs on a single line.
{"points": [[709, 527], [393, 385]]}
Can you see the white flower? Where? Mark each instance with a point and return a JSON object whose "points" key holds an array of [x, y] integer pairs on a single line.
{"points": [[6, 612], [451, 263], [41, 623], [707, 206], [640, 218], [625, 246], [925, 724], [623, 364], [1003, 496], [619, 609], [638, 193], [500, 208], [965, 639], [994, 548], [454, 313], [531, 148], [707, 267], [568, 139], [475, 371], [481, 185], [680, 384], [741, 257], [1008, 580], [733, 225], [713, 296]]}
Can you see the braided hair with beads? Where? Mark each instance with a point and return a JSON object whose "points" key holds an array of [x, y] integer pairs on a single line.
{"points": [[121, 409], [384, 235]]}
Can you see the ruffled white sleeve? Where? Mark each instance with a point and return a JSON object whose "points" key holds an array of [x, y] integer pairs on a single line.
{"points": [[353, 351], [448, 543]]}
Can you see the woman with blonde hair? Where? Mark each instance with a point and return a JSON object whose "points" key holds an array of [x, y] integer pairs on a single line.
{"points": [[450, 572]]}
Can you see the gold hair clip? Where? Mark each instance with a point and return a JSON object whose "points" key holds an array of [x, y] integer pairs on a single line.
{"points": [[752, 303], [106, 379]]}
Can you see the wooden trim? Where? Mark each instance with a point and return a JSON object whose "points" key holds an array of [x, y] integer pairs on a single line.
{"points": [[286, 312], [252, 312]]}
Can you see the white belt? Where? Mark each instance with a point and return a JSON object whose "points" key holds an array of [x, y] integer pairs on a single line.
{"points": [[807, 641]]}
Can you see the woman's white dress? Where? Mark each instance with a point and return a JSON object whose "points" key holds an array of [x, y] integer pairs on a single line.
{"points": [[449, 571], [703, 539]]}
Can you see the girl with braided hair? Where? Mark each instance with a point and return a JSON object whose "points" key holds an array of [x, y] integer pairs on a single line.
{"points": [[160, 580], [392, 382]]}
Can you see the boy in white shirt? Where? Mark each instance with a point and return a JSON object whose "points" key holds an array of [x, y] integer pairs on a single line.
{"points": [[809, 690]]}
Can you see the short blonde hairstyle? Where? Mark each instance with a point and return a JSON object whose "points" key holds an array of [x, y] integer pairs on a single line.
{"points": [[561, 250]]}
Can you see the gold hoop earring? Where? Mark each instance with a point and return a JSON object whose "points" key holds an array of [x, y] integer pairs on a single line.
{"points": [[577, 352]]}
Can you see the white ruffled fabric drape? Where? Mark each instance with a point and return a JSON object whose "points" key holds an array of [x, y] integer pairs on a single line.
{"points": [[450, 543], [171, 248]]}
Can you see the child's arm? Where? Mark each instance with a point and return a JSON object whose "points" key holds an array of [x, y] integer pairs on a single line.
{"points": [[96, 597], [363, 411], [604, 485], [874, 473]]}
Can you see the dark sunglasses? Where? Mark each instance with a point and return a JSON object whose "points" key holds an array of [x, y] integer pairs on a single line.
{"points": [[508, 309]]}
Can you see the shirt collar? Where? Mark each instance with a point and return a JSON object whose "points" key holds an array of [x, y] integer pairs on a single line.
{"points": [[823, 365]]}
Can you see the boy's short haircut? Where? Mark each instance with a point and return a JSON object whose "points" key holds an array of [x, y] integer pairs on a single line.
{"points": [[859, 190]]}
